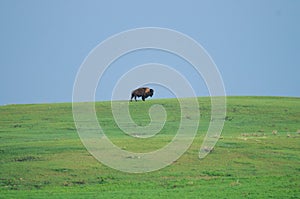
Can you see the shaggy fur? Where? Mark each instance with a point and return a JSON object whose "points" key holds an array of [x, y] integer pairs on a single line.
{"points": [[142, 92]]}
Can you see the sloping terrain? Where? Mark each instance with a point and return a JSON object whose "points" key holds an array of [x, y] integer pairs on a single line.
{"points": [[257, 155]]}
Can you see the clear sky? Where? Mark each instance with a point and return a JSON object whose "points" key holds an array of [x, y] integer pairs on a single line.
{"points": [[255, 43]]}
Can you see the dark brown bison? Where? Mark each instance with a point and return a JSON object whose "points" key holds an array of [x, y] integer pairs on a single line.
{"points": [[142, 92]]}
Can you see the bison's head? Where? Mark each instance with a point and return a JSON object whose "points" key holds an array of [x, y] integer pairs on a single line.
{"points": [[151, 92]]}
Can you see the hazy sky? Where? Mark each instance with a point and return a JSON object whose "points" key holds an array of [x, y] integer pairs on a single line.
{"points": [[255, 44]]}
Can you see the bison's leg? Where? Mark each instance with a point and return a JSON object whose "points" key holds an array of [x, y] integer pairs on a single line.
{"points": [[143, 98], [135, 98], [131, 97]]}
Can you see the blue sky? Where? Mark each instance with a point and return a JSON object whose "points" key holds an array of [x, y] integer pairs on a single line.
{"points": [[255, 44]]}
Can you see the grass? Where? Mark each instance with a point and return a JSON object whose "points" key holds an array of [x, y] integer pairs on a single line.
{"points": [[256, 157]]}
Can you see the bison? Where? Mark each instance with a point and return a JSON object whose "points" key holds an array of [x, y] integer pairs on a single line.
{"points": [[142, 92]]}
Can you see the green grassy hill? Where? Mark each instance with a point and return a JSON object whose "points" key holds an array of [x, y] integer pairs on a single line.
{"points": [[258, 155]]}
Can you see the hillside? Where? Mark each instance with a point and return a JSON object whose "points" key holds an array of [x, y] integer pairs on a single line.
{"points": [[257, 155]]}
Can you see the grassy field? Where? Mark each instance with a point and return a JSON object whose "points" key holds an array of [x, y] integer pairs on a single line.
{"points": [[258, 155]]}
